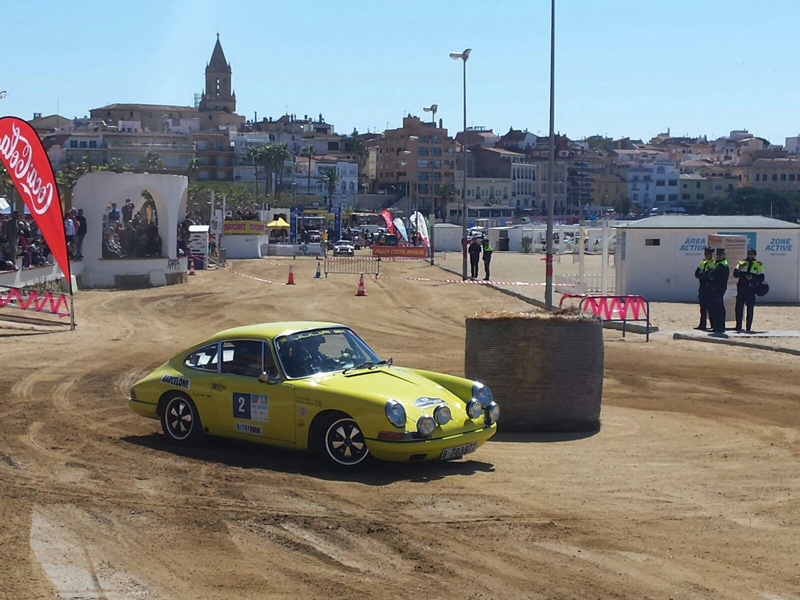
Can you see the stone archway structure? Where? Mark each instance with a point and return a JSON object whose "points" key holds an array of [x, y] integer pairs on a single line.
{"points": [[95, 191]]}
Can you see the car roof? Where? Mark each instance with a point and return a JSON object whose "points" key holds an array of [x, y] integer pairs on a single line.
{"points": [[271, 330]]}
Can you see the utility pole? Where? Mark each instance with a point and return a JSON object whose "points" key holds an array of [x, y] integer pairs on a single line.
{"points": [[548, 290]]}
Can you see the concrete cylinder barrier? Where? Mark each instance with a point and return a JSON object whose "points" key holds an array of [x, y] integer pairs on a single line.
{"points": [[545, 370]]}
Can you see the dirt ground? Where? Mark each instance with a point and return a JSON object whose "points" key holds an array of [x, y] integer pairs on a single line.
{"points": [[691, 489]]}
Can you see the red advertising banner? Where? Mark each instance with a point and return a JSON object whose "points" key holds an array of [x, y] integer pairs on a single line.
{"points": [[387, 216], [26, 161], [400, 251]]}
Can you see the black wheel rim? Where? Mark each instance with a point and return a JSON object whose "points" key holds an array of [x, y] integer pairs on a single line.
{"points": [[345, 443], [179, 418]]}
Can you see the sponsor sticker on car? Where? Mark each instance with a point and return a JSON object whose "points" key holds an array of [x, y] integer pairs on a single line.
{"points": [[177, 381], [248, 428], [253, 407], [458, 451]]}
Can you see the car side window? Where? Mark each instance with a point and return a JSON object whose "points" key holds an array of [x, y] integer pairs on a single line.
{"points": [[242, 357], [203, 359], [270, 368]]}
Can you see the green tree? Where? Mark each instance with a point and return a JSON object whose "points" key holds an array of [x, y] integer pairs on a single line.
{"points": [[192, 168], [446, 192], [308, 152], [67, 177], [329, 178], [151, 161], [622, 205]]}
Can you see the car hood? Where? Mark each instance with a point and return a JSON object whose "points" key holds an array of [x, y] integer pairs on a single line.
{"points": [[379, 384]]}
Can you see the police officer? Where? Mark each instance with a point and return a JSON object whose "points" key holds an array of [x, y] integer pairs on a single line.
{"points": [[750, 273], [474, 251], [487, 257], [718, 277], [704, 291]]}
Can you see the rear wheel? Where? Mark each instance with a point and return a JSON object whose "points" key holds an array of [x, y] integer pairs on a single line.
{"points": [[340, 441], [180, 420]]}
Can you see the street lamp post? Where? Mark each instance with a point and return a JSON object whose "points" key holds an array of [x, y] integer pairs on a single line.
{"points": [[463, 56], [548, 290]]}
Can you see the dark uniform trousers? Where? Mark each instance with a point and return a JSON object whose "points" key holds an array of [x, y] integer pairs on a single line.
{"points": [[748, 299]]}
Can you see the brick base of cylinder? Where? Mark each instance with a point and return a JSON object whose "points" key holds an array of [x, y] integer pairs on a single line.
{"points": [[546, 372]]}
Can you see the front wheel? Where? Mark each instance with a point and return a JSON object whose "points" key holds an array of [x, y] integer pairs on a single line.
{"points": [[341, 442], [180, 420]]}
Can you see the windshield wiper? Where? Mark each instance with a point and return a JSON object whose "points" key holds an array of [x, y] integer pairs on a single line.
{"points": [[368, 365]]}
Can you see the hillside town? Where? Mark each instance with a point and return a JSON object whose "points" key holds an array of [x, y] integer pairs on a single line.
{"points": [[420, 164]]}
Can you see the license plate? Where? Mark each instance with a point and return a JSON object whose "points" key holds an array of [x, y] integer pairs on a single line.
{"points": [[458, 451]]}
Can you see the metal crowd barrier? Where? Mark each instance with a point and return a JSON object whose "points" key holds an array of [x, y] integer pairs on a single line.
{"points": [[352, 265]]}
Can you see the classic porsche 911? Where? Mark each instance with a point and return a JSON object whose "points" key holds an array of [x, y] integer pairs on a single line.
{"points": [[318, 387]]}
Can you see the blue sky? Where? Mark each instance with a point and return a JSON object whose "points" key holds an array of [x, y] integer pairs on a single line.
{"points": [[622, 67]]}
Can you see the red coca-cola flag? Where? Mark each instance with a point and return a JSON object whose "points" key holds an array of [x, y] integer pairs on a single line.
{"points": [[26, 161], [387, 216]]}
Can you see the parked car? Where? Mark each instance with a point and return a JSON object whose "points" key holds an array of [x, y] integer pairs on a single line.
{"points": [[318, 387], [314, 237], [344, 248]]}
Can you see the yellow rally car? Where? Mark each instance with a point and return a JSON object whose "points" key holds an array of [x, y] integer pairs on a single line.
{"points": [[315, 386]]}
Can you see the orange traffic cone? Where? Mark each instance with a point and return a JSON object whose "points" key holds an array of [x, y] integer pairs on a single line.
{"points": [[361, 290], [191, 265], [291, 276]]}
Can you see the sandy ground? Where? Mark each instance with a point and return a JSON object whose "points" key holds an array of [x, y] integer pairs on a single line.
{"points": [[690, 490]]}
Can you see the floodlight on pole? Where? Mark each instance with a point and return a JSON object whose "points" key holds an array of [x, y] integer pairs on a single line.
{"points": [[432, 109], [464, 56]]}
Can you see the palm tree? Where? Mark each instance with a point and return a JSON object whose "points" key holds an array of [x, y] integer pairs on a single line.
{"points": [[254, 154], [309, 152], [329, 178], [151, 161], [274, 156], [446, 192]]}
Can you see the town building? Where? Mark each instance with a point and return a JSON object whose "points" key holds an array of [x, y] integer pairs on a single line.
{"points": [[695, 189], [654, 185], [215, 156], [608, 190], [773, 173], [413, 161], [216, 110]]}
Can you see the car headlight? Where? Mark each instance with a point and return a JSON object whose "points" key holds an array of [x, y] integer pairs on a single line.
{"points": [[474, 409], [493, 412], [396, 413], [482, 394], [442, 415], [426, 425]]}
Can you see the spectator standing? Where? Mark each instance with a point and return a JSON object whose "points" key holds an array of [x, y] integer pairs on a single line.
{"points": [[81, 233], [719, 283], [487, 257], [127, 211], [113, 214], [69, 232], [750, 273], [704, 292], [474, 250], [11, 233], [129, 239]]}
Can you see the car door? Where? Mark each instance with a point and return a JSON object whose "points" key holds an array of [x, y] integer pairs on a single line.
{"points": [[202, 367], [250, 408]]}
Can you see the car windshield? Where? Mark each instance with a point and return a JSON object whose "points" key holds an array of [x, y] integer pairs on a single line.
{"points": [[305, 353]]}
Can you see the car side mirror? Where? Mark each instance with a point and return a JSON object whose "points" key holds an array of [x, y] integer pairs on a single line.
{"points": [[389, 361], [269, 378]]}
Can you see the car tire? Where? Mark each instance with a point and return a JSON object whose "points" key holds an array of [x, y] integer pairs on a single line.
{"points": [[339, 441], [180, 420]]}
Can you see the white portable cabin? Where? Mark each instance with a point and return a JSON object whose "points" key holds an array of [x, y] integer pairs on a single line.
{"points": [[656, 257]]}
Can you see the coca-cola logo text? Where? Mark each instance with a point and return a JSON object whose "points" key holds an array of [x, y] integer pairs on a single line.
{"points": [[17, 154]]}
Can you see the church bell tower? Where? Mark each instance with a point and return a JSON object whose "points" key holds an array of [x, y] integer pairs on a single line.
{"points": [[218, 94]]}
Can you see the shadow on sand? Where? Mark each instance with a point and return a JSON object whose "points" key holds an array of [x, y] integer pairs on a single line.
{"points": [[244, 455]]}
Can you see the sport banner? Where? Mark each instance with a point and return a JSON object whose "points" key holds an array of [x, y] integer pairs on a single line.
{"points": [[244, 228], [400, 228], [421, 226], [29, 168], [387, 216], [400, 251]]}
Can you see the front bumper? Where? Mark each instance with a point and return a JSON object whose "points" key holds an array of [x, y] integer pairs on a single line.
{"points": [[427, 449], [146, 409]]}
